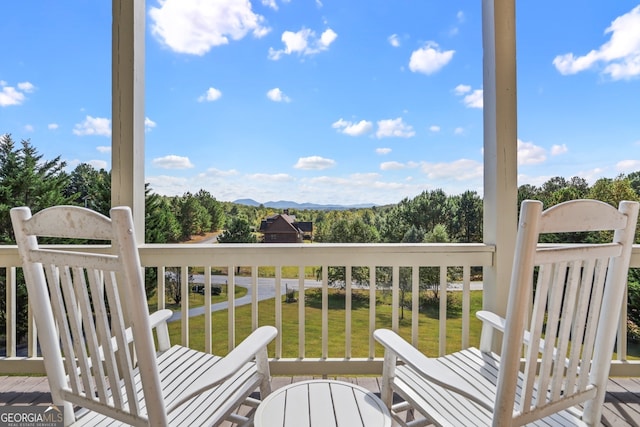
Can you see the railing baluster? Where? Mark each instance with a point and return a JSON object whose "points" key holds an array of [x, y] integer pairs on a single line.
{"points": [[347, 312], [372, 310], [11, 315], [161, 288], [395, 297], [442, 339], [301, 312], [231, 306], [184, 304], [415, 303], [207, 310], [254, 297], [278, 306], [466, 304], [325, 311]]}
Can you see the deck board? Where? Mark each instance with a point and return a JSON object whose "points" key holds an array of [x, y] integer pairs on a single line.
{"points": [[621, 407]]}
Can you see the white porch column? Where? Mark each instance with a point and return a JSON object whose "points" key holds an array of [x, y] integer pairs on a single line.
{"points": [[500, 147], [127, 110]]}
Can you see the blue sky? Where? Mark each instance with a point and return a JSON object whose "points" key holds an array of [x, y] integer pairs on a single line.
{"points": [[327, 101]]}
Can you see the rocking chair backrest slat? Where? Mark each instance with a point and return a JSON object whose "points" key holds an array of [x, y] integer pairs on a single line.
{"points": [[573, 305], [106, 351], [87, 297]]}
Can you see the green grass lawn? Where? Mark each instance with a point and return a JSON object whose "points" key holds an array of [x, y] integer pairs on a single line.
{"points": [[428, 325]]}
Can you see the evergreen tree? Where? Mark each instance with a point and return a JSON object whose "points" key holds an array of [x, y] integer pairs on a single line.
{"points": [[216, 212], [239, 231], [161, 224], [469, 217], [193, 217], [26, 179], [90, 188]]}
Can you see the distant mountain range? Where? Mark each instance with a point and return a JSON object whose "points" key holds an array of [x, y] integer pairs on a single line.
{"points": [[285, 204]]}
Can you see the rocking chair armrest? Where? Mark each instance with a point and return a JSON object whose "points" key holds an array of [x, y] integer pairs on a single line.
{"points": [[492, 319], [430, 368], [251, 347], [158, 317], [158, 321], [500, 324]]}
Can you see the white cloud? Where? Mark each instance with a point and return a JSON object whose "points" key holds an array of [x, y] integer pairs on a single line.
{"points": [[460, 18], [303, 42], [276, 177], [98, 164], [471, 99], [591, 175], [52, 126], [461, 89], [212, 94], [29, 128], [276, 95], [270, 3], [429, 59], [168, 185], [353, 129], [530, 154], [458, 170], [72, 164], [195, 26], [26, 87], [394, 128], [474, 99], [93, 126], [394, 40], [627, 166], [149, 124], [9, 95], [370, 176], [172, 162], [434, 128], [620, 55], [458, 131], [391, 166], [559, 149], [220, 173], [104, 148], [383, 151], [326, 38], [314, 163]]}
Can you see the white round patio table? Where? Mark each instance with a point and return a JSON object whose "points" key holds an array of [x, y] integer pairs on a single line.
{"points": [[322, 403]]}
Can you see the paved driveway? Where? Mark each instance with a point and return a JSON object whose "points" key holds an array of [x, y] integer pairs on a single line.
{"points": [[266, 290]]}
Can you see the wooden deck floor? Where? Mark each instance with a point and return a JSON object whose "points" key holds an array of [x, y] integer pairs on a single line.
{"points": [[621, 408]]}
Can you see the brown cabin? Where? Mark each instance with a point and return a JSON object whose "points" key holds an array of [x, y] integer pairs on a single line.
{"points": [[283, 228]]}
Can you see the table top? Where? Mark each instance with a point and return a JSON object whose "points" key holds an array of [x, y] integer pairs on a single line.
{"points": [[322, 403]]}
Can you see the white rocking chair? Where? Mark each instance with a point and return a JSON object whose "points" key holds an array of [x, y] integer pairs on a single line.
{"points": [[96, 334], [558, 335]]}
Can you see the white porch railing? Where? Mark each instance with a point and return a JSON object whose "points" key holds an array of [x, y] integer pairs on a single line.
{"points": [[392, 256]]}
